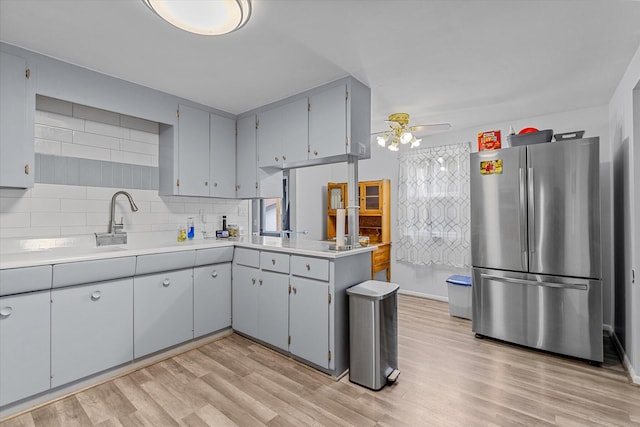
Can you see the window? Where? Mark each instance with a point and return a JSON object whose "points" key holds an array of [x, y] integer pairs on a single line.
{"points": [[274, 213]]}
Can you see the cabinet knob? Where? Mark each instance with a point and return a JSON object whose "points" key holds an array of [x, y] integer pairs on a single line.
{"points": [[214, 274], [276, 158], [166, 282], [95, 296], [6, 311], [253, 281], [260, 281], [315, 152], [294, 289], [308, 267], [215, 184], [273, 261], [284, 157], [206, 183]]}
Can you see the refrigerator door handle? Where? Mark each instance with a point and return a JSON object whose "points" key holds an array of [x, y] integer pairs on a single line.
{"points": [[535, 283], [523, 221], [532, 211]]}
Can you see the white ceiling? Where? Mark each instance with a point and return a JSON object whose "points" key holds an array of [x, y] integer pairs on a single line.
{"points": [[467, 62]]}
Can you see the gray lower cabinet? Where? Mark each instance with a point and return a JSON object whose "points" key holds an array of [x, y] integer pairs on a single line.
{"points": [[211, 298], [260, 305], [163, 310], [309, 320], [91, 329], [24, 345], [244, 303]]}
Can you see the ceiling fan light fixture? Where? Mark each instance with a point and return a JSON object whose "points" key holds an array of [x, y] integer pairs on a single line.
{"points": [[416, 142], [204, 17], [406, 137], [382, 140]]}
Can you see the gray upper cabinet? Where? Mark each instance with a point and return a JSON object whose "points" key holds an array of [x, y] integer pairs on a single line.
{"points": [[283, 134], [24, 345], [246, 158], [222, 156], [328, 122], [17, 122], [193, 152]]}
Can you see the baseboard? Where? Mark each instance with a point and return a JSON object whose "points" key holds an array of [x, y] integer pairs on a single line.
{"points": [[635, 378], [423, 295]]}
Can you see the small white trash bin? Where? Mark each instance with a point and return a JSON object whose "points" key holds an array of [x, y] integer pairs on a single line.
{"points": [[459, 288]]}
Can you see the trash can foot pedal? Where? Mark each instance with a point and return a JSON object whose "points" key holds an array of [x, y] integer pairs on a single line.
{"points": [[393, 376]]}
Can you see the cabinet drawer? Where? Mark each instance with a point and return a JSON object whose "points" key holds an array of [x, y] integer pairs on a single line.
{"points": [[274, 261], [248, 257], [382, 254], [164, 262], [214, 255], [314, 268], [75, 273], [18, 280]]}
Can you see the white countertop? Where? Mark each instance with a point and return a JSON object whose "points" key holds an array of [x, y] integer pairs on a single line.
{"points": [[33, 254]]}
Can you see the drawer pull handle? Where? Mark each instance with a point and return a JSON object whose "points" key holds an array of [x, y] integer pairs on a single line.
{"points": [[96, 295], [166, 282], [273, 261], [6, 311], [308, 267], [214, 274]]}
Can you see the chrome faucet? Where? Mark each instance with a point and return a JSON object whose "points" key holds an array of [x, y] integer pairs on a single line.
{"points": [[113, 226], [115, 234]]}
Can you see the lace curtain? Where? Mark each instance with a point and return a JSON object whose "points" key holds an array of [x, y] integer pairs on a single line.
{"points": [[433, 206]]}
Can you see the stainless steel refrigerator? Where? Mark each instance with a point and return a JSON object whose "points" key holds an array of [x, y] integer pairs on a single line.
{"points": [[535, 246]]}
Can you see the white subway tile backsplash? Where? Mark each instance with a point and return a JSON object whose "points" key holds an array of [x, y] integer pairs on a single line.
{"points": [[138, 147], [45, 146], [98, 219], [28, 204], [59, 120], [22, 233], [84, 206], [58, 191], [95, 140], [15, 219], [149, 138], [53, 133], [139, 124], [85, 152], [133, 158], [58, 106], [96, 114], [104, 129]]}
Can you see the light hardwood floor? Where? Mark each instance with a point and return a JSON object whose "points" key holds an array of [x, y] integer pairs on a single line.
{"points": [[448, 378]]}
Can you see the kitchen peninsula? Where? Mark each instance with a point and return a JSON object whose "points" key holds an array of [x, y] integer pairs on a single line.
{"points": [[150, 299]]}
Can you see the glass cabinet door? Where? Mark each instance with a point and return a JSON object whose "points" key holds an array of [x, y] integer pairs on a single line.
{"points": [[337, 197], [370, 198]]}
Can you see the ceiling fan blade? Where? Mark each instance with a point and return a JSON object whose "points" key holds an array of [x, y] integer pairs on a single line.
{"points": [[431, 127], [394, 125], [379, 133]]}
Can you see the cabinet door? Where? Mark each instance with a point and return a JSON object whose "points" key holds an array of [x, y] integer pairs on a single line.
{"points": [[211, 298], [162, 311], [309, 320], [246, 158], [328, 122], [17, 118], [336, 197], [24, 345], [193, 151], [91, 329], [273, 309], [222, 157], [370, 198], [245, 300], [283, 134]]}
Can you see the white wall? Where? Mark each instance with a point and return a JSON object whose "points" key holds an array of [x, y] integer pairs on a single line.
{"points": [[430, 281], [624, 117]]}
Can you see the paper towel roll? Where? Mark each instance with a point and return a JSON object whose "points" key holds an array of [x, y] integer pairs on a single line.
{"points": [[340, 220]]}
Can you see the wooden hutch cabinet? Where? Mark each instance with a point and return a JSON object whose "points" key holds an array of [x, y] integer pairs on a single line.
{"points": [[374, 221]]}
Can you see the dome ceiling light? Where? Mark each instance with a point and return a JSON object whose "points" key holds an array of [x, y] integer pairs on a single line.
{"points": [[402, 133], [205, 17]]}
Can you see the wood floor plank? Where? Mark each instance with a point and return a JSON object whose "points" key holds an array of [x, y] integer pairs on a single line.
{"points": [[448, 378]]}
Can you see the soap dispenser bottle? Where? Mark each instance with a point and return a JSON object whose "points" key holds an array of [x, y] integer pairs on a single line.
{"points": [[191, 232]]}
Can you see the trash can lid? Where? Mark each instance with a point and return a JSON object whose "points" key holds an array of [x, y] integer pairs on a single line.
{"points": [[459, 280], [373, 289]]}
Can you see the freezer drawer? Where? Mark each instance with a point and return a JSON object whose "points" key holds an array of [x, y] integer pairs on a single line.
{"points": [[557, 314]]}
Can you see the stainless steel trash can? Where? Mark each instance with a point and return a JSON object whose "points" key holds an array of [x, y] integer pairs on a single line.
{"points": [[373, 333]]}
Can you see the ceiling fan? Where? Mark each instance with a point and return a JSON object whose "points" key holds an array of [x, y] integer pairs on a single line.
{"points": [[402, 133]]}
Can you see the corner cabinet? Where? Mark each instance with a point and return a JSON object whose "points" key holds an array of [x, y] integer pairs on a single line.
{"points": [[17, 122], [374, 218], [197, 155]]}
